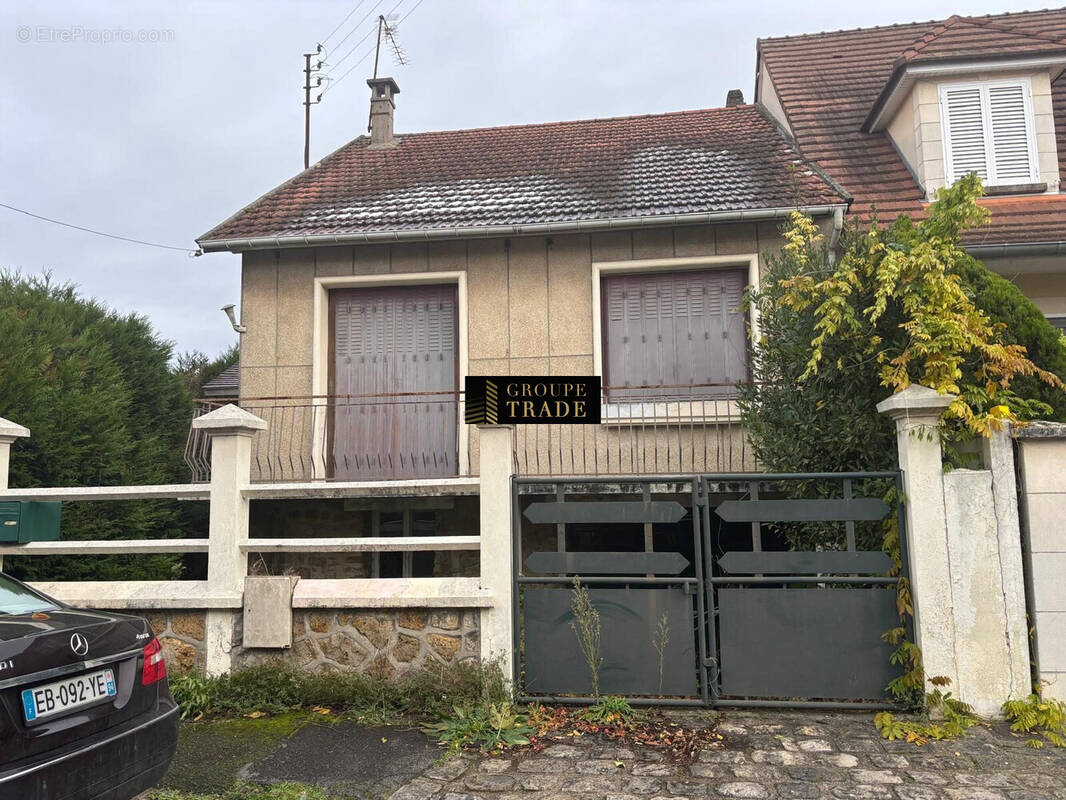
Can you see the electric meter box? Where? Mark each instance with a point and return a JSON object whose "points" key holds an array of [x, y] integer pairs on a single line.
{"points": [[29, 521]]}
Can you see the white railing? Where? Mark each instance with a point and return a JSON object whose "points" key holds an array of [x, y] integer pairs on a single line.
{"points": [[230, 433]]}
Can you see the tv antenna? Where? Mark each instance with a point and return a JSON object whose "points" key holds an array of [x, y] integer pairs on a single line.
{"points": [[388, 28]]}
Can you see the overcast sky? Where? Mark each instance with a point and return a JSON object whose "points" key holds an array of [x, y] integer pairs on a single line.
{"points": [[162, 139]]}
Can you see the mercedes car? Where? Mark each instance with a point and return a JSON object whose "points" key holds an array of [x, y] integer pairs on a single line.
{"points": [[85, 709]]}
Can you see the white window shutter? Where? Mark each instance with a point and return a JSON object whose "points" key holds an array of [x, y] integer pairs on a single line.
{"points": [[1011, 150], [964, 120]]}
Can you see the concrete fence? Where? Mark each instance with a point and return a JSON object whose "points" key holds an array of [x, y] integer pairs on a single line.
{"points": [[1042, 473], [985, 550], [232, 618]]}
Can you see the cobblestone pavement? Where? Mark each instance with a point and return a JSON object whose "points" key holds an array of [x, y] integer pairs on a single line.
{"points": [[765, 755]]}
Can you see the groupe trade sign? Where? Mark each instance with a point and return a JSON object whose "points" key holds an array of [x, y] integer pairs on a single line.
{"points": [[530, 399]]}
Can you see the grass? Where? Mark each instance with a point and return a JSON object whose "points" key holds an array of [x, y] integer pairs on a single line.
{"points": [[278, 687], [249, 791]]}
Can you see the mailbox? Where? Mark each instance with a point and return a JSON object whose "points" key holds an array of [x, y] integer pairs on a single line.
{"points": [[28, 521]]}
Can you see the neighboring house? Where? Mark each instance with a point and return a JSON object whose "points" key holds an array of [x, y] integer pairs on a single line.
{"points": [[224, 387], [895, 113]]}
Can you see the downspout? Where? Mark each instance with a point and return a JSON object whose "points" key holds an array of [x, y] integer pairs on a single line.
{"points": [[834, 237]]}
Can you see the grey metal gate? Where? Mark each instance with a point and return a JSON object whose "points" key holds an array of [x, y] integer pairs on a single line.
{"points": [[701, 595]]}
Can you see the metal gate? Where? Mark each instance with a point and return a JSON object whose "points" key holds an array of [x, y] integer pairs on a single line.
{"points": [[701, 595]]}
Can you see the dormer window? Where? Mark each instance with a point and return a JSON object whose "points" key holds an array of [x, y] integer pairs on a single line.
{"points": [[988, 128]]}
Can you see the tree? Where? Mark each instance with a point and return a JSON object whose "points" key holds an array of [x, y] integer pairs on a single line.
{"points": [[196, 368], [902, 304], [96, 390]]}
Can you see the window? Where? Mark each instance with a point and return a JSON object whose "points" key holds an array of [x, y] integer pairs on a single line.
{"points": [[672, 335], [18, 599], [988, 129]]}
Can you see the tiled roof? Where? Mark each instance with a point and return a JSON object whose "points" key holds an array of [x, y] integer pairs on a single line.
{"points": [[725, 159], [966, 37], [226, 384], [828, 83]]}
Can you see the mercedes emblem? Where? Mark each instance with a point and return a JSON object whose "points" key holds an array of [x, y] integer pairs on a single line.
{"points": [[79, 644]]}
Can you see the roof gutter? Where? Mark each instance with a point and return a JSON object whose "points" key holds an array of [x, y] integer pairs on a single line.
{"points": [[1005, 250], [242, 244]]}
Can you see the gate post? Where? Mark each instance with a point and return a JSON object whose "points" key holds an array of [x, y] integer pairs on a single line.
{"points": [[917, 411], [496, 530], [9, 432], [231, 430]]}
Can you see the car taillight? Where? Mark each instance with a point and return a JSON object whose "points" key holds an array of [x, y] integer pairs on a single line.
{"points": [[155, 668]]}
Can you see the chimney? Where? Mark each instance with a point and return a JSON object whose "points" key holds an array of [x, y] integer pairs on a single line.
{"points": [[735, 97], [382, 106]]}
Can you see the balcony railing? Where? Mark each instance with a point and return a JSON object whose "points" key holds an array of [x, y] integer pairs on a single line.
{"points": [[644, 430]]}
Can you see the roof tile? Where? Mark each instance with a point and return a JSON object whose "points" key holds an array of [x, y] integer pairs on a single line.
{"points": [[721, 159], [828, 82]]}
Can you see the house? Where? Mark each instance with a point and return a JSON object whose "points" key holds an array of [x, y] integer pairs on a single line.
{"points": [[376, 280], [895, 113]]}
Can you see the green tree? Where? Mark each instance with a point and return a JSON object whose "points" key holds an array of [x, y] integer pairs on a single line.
{"points": [[96, 390], [196, 368], [901, 304]]}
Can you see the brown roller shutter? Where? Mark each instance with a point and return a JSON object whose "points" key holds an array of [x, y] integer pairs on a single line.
{"points": [[675, 329], [391, 340]]}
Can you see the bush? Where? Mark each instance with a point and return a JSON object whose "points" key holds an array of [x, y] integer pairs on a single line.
{"points": [[901, 304], [276, 687]]}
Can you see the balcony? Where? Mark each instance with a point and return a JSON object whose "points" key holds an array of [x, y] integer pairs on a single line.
{"points": [[645, 430]]}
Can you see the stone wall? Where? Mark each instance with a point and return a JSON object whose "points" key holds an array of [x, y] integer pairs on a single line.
{"points": [[182, 634], [389, 641]]}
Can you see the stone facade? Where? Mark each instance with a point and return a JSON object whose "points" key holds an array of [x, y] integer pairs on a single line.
{"points": [[391, 641]]}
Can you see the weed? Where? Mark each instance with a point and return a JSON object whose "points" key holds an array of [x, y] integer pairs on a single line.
{"points": [[276, 687], [491, 728], [611, 710], [1037, 714], [586, 625], [956, 718], [659, 641]]}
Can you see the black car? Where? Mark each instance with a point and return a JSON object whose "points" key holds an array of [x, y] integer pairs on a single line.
{"points": [[85, 709]]}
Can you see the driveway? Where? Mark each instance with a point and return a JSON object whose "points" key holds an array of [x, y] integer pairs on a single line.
{"points": [[766, 754]]}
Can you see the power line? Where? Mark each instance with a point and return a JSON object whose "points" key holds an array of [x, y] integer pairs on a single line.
{"points": [[339, 24], [372, 49], [355, 27], [352, 50], [409, 13], [99, 233]]}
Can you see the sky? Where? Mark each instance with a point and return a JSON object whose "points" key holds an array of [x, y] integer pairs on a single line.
{"points": [[156, 121]]}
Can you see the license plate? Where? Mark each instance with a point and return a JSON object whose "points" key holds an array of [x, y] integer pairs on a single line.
{"points": [[53, 699]]}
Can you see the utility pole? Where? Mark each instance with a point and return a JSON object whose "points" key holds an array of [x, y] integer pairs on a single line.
{"points": [[307, 109], [308, 70]]}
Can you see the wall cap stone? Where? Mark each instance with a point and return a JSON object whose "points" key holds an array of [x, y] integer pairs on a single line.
{"points": [[229, 419], [9, 431], [916, 401], [1040, 429]]}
